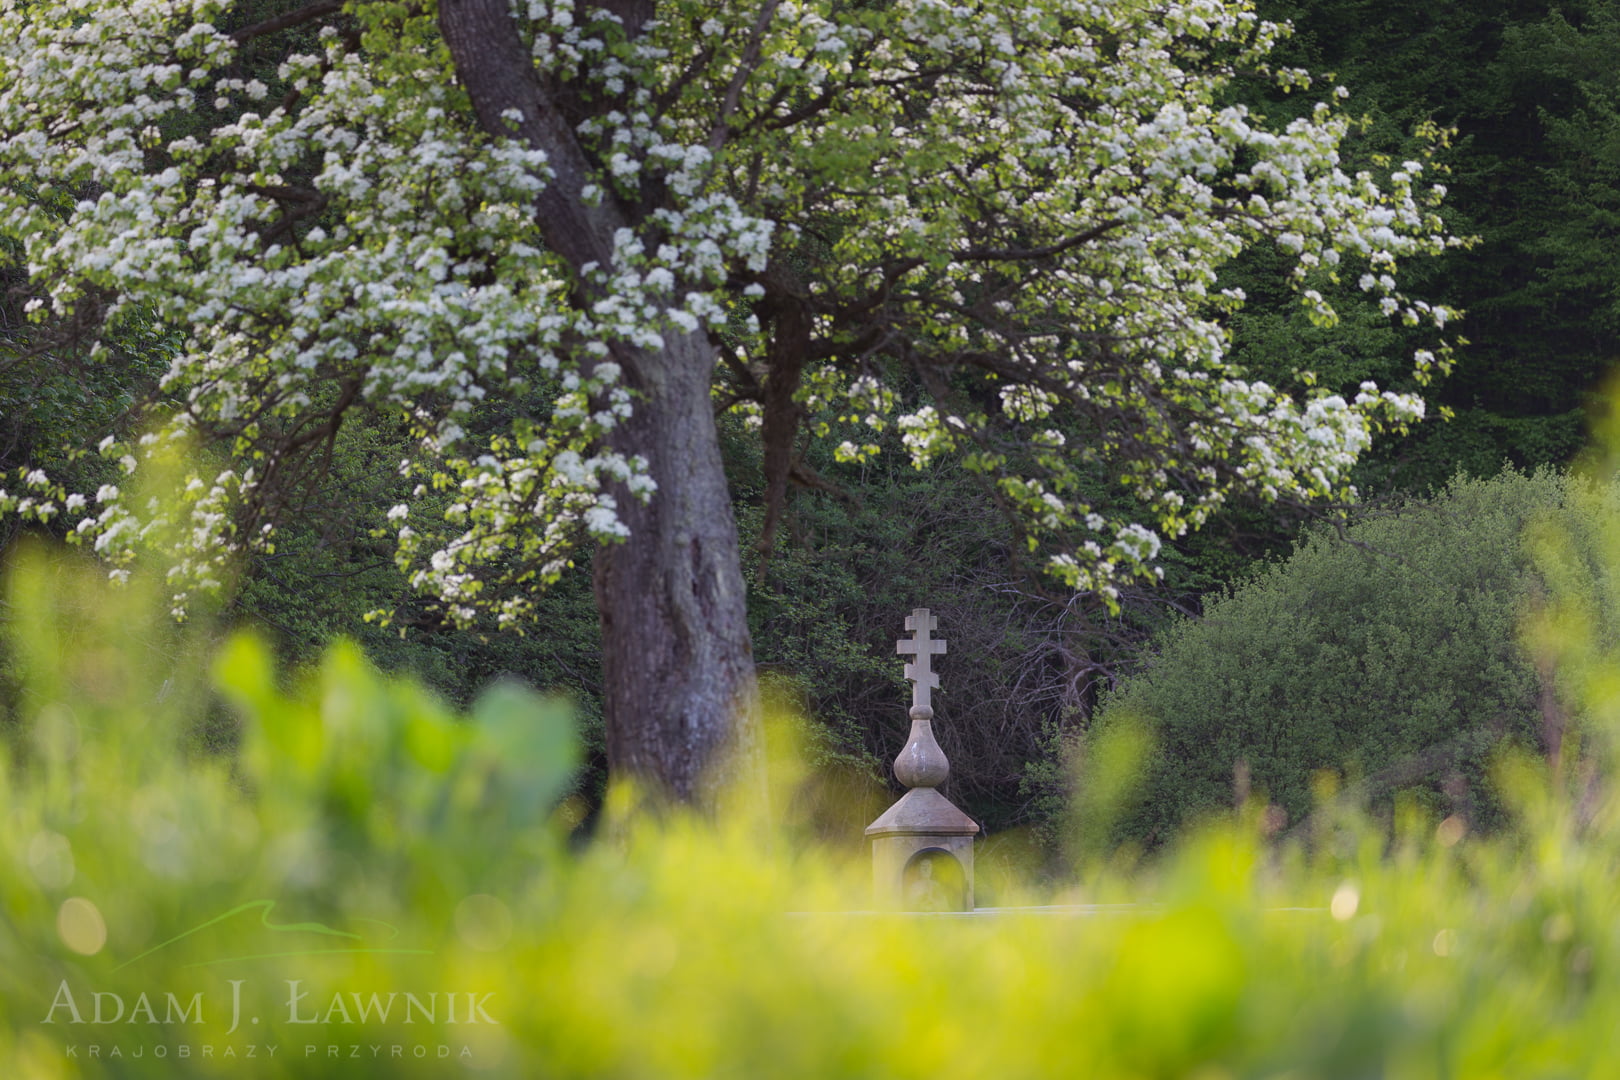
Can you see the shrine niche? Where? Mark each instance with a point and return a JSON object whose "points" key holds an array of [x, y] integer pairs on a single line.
{"points": [[933, 881]]}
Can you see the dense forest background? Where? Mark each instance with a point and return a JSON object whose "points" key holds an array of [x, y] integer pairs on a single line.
{"points": [[1533, 93]]}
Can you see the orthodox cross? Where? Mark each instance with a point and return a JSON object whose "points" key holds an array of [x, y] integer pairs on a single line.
{"points": [[919, 671]]}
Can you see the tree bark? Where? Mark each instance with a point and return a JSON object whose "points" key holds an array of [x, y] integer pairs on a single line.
{"points": [[679, 703], [790, 345], [677, 661]]}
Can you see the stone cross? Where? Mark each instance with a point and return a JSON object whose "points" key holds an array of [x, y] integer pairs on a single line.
{"points": [[920, 670]]}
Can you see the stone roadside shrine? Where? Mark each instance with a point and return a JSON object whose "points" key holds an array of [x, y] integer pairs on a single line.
{"points": [[922, 846]]}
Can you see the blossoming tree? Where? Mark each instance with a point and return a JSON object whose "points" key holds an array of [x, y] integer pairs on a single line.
{"points": [[997, 227]]}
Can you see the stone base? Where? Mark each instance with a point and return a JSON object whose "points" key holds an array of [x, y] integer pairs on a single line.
{"points": [[923, 872]]}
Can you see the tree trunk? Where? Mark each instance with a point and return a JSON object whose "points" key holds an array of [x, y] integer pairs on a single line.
{"points": [[790, 346], [677, 662]]}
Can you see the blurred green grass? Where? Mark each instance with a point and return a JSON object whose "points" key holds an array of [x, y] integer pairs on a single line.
{"points": [[178, 819]]}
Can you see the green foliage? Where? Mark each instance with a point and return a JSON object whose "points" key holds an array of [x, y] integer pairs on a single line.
{"points": [[1391, 650], [367, 844], [358, 813]]}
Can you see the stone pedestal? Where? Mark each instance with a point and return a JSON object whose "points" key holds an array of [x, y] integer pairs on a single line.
{"points": [[923, 838]]}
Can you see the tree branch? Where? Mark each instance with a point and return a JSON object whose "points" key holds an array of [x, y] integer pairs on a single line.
{"points": [[803, 112], [499, 75], [806, 477], [285, 21], [892, 273], [1011, 254], [745, 375], [739, 78]]}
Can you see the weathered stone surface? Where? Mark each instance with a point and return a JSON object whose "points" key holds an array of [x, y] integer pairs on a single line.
{"points": [[925, 647], [923, 812], [922, 763]]}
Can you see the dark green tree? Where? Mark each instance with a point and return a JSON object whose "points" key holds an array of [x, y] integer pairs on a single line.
{"points": [[1531, 89]]}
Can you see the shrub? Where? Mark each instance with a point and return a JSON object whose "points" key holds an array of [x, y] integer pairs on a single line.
{"points": [[1390, 650]]}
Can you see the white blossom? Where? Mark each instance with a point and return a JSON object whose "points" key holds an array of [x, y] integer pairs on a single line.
{"points": [[427, 284]]}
